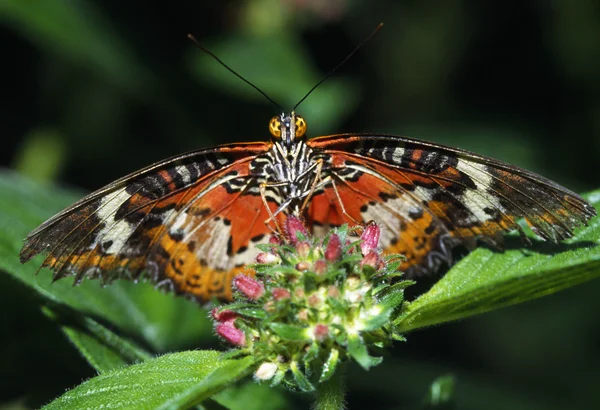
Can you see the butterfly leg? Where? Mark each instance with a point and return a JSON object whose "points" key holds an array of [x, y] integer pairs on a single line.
{"points": [[339, 199], [272, 216], [317, 182]]}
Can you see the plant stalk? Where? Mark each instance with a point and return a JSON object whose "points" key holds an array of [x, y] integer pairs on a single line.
{"points": [[330, 393]]}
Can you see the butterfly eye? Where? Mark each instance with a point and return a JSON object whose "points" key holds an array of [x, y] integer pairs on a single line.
{"points": [[275, 127], [300, 126]]}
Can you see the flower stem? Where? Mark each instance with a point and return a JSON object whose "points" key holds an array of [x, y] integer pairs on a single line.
{"points": [[330, 393]]}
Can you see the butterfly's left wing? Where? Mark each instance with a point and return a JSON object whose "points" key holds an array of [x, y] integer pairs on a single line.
{"points": [[428, 197], [188, 221]]}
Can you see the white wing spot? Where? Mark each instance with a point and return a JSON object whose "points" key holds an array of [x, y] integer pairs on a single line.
{"points": [[185, 173], [390, 215], [479, 199], [116, 231]]}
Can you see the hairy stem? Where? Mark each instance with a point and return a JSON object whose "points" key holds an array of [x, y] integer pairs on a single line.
{"points": [[330, 394]]}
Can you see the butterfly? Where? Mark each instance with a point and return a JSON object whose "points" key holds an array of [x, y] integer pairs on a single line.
{"points": [[192, 222]]}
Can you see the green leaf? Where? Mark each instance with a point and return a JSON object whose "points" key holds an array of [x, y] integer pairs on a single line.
{"points": [[487, 280], [289, 332], [252, 396], [103, 349], [301, 380], [358, 351], [174, 381], [377, 321], [228, 372], [330, 365], [160, 320]]}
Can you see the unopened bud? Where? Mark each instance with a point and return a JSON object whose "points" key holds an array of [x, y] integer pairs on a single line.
{"points": [[249, 287], [320, 267], [280, 293], [315, 300], [334, 248], [333, 292], [321, 332], [303, 249], [230, 333], [223, 316], [275, 240], [266, 371], [371, 259], [302, 315], [267, 258], [294, 226], [369, 238]]}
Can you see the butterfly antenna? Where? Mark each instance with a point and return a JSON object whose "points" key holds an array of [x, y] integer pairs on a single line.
{"points": [[197, 44], [362, 43]]}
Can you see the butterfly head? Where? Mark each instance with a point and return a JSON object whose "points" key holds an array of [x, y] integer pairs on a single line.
{"points": [[287, 128]]}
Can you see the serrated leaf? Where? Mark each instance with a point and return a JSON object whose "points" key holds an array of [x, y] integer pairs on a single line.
{"points": [[301, 380], [246, 309], [330, 365], [394, 295], [377, 321], [487, 280], [174, 381], [358, 351], [226, 374]]}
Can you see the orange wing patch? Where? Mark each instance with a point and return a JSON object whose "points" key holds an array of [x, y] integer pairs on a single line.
{"points": [[210, 242], [407, 225], [127, 228], [428, 201]]}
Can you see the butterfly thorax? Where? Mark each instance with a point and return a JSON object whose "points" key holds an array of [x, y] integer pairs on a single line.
{"points": [[290, 160]]}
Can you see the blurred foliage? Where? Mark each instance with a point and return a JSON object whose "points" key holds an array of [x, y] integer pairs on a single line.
{"points": [[95, 89]]}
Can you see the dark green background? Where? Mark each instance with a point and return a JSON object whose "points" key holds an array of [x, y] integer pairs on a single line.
{"points": [[92, 90]]}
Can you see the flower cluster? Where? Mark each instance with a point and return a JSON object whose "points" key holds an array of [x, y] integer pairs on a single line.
{"points": [[314, 303]]}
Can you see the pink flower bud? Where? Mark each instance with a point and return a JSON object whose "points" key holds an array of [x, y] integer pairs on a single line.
{"points": [[302, 315], [267, 258], [333, 292], [302, 266], [334, 248], [269, 306], [280, 293], [230, 333], [371, 259], [294, 226], [303, 249], [321, 332], [314, 300], [224, 316], [320, 267], [249, 287], [275, 240], [369, 238]]}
